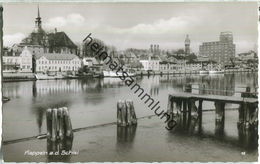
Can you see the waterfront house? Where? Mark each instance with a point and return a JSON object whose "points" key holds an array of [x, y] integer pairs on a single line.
{"points": [[151, 63], [15, 62], [55, 62]]}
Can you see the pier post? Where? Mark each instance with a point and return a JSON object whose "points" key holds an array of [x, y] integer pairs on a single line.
{"points": [[119, 115], [54, 125], [60, 123], [68, 125], [200, 116], [219, 117], [49, 123], [193, 115]]}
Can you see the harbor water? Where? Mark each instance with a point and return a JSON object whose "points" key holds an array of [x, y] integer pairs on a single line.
{"points": [[92, 102]]}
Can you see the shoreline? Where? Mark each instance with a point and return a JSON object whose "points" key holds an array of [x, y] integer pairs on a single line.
{"points": [[20, 78]]}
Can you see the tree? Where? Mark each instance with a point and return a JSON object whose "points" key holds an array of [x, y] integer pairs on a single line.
{"points": [[88, 52]]}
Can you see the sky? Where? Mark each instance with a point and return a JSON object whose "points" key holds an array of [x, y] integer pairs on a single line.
{"points": [[137, 25]]}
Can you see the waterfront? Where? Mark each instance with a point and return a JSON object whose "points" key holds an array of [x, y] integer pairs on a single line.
{"points": [[93, 102]]}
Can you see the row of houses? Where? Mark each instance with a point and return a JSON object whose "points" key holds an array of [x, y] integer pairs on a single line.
{"points": [[40, 62]]}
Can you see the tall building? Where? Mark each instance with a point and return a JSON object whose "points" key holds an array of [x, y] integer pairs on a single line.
{"points": [[221, 51], [187, 45]]}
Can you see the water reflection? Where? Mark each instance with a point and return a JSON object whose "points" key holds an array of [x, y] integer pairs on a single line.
{"points": [[125, 137], [90, 98], [190, 123], [59, 151]]}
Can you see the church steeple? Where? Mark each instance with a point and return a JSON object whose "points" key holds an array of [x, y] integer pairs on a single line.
{"points": [[38, 22]]}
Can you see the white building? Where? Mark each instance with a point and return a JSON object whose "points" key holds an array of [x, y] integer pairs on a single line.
{"points": [[89, 61], [20, 63], [57, 62], [151, 64], [26, 60], [11, 63]]}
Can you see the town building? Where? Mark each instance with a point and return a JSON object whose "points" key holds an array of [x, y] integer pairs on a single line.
{"points": [[220, 51], [55, 62], [13, 62], [151, 63], [26, 60], [166, 66]]}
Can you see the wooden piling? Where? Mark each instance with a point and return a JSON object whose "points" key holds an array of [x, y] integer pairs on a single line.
{"points": [[200, 115], [58, 124], [68, 126], [126, 113], [219, 118], [132, 111], [54, 125], [49, 122]]}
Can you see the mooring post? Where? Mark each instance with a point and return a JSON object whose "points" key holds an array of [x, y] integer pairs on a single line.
{"points": [[200, 115], [61, 123], [54, 125], [193, 115], [184, 113], [49, 122], [219, 117], [132, 111], [123, 114], [68, 125], [119, 112], [128, 112]]}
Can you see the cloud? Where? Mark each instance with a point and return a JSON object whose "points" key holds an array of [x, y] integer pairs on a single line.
{"points": [[73, 19], [161, 26], [9, 40]]}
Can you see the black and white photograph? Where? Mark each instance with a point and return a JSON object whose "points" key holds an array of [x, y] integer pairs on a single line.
{"points": [[129, 81]]}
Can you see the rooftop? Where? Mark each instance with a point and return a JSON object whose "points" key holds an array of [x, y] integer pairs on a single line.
{"points": [[55, 56]]}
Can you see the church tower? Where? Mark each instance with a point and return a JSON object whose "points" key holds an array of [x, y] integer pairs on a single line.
{"points": [[187, 45], [38, 22]]}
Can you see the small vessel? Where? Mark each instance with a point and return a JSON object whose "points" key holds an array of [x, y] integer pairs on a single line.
{"points": [[40, 76], [216, 71], [116, 74], [5, 99], [204, 72]]}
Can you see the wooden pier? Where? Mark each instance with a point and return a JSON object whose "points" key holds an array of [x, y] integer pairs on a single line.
{"points": [[186, 109]]}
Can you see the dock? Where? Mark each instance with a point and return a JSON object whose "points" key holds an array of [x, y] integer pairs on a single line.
{"points": [[186, 109]]}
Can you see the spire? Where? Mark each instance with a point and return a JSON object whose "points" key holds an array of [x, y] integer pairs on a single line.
{"points": [[38, 22], [38, 12]]}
